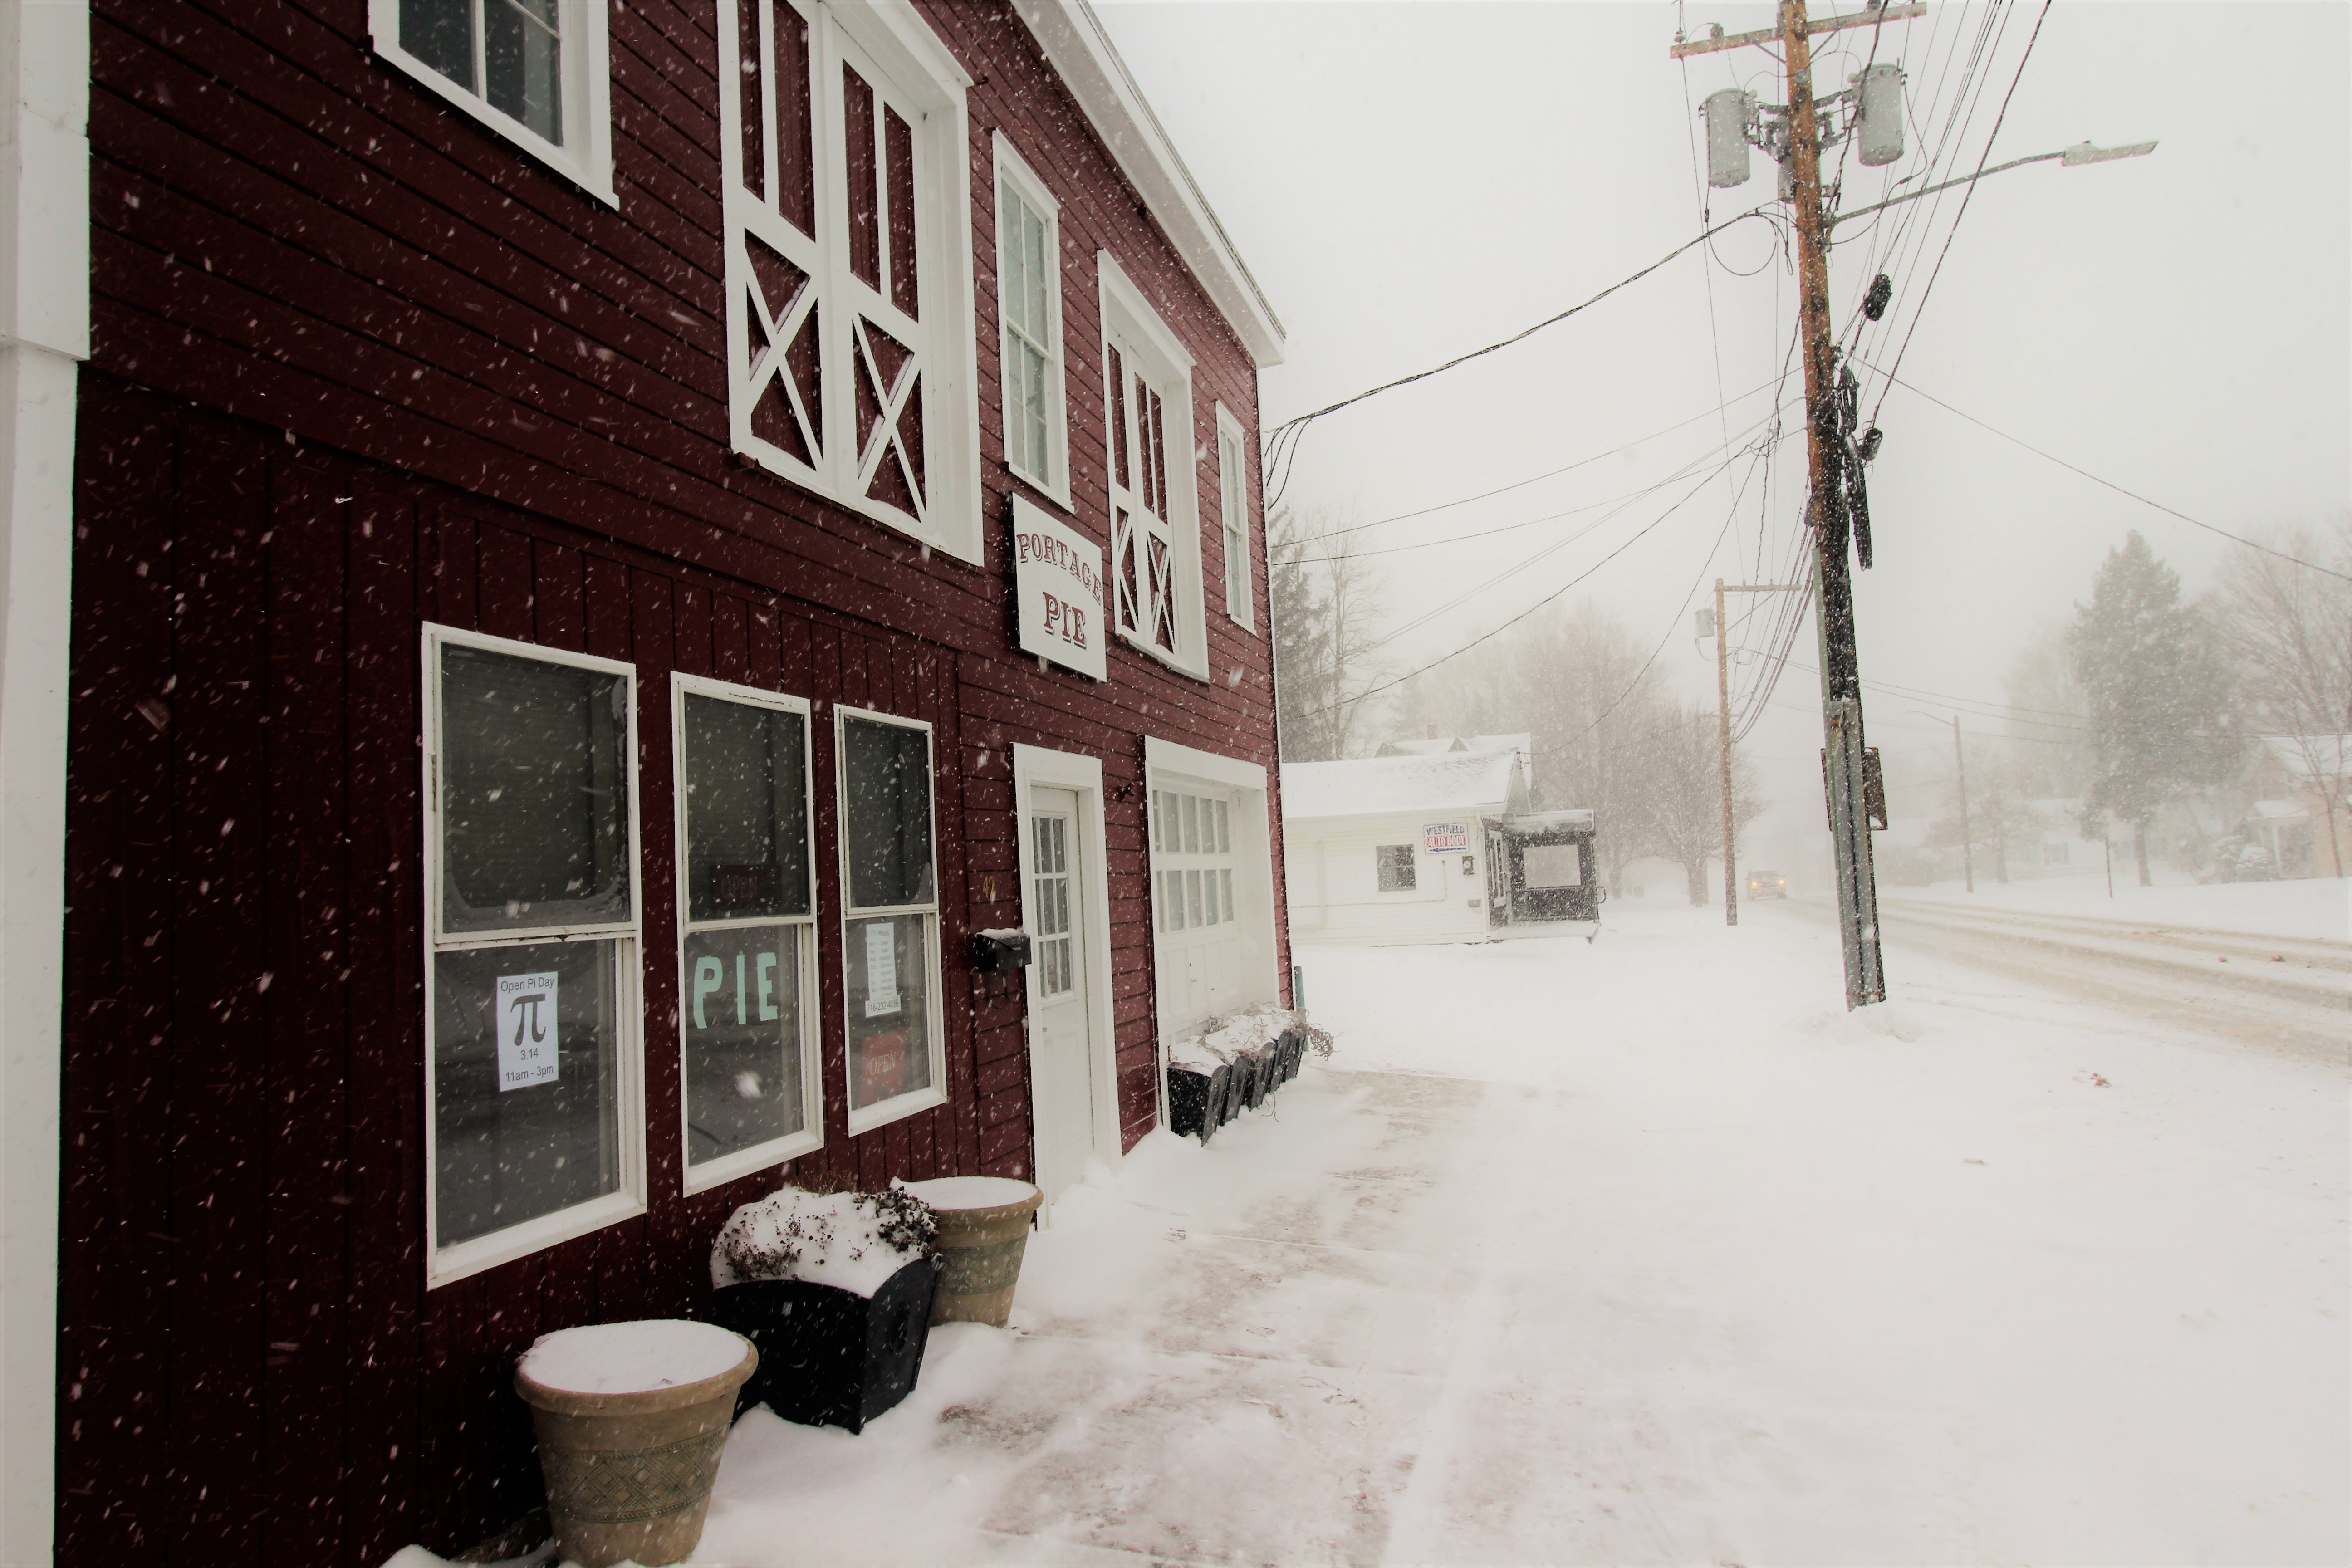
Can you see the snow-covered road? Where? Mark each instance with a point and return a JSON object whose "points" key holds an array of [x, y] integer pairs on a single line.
{"points": [[1647, 1252]]}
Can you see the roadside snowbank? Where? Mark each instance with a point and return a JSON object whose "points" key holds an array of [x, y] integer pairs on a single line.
{"points": [[2319, 908]]}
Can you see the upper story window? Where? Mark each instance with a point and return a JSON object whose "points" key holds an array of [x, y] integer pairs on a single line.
{"points": [[747, 930], [1233, 501], [849, 261], [1155, 540], [535, 1119], [1029, 302], [534, 70], [896, 1051]]}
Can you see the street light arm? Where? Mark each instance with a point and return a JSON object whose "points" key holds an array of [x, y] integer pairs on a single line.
{"points": [[2071, 157]]}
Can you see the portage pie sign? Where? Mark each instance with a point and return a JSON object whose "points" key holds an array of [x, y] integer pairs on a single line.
{"points": [[1057, 582]]}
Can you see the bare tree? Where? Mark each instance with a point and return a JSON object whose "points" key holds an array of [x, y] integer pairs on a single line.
{"points": [[1326, 608], [1685, 795], [2289, 628], [1577, 681]]}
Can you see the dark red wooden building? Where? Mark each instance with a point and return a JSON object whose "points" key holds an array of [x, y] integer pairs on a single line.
{"points": [[607, 543]]}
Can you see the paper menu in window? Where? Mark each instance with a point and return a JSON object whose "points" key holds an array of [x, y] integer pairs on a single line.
{"points": [[526, 1032], [881, 969]]}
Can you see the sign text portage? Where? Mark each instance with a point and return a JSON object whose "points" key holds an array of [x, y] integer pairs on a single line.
{"points": [[1445, 838], [1057, 582]]}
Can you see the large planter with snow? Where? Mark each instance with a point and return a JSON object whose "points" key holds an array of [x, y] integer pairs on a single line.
{"points": [[1293, 1047], [631, 1420], [1196, 1099], [1242, 1084], [836, 1290], [831, 1357], [983, 1231]]}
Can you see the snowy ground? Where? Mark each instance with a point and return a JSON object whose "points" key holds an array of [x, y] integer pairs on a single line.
{"points": [[1647, 1252]]}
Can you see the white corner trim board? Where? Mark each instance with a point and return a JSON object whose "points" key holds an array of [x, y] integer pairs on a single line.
{"points": [[44, 335]]}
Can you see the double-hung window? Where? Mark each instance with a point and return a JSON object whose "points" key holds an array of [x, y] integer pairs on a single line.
{"points": [[848, 242], [747, 937], [891, 918], [1398, 866], [1233, 502], [1155, 506], [534, 70], [1029, 302], [535, 1118]]}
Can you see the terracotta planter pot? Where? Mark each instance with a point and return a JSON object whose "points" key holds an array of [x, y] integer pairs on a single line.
{"points": [[980, 1247], [629, 1475]]}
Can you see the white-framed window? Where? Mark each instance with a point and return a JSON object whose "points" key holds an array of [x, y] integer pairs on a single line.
{"points": [[852, 366], [1155, 534], [1192, 848], [747, 930], [896, 1052], [1029, 306], [1398, 866], [533, 1077], [1233, 504], [536, 71]]}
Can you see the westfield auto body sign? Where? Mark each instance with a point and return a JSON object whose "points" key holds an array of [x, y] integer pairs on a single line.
{"points": [[1057, 582]]}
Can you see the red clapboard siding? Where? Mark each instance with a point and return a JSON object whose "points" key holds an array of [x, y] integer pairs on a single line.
{"points": [[359, 367]]}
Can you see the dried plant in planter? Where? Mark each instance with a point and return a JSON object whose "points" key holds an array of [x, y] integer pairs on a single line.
{"points": [[853, 1240]]}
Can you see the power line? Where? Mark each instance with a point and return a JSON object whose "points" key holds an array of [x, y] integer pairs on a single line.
{"points": [[1551, 473], [1966, 196], [1487, 636], [1285, 436], [1892, 380]]}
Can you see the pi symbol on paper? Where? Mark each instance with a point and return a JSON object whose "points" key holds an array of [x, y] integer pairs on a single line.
{"points": [[526, 1032]]}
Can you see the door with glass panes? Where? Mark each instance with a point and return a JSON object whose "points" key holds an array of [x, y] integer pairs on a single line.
{"points": [[1061, 1062], [1200, 945]]}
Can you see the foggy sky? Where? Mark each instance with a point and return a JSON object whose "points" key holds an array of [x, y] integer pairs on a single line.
{"points": [[1408, 181]]}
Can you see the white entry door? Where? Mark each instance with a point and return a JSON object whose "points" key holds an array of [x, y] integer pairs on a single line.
{"points": [[1061, 1062]]}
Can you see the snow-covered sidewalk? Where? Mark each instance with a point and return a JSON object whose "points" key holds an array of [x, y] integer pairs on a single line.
{"points": [[1647, 1252]]}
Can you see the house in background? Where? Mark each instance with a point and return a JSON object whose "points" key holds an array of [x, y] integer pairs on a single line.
{"points": [[603, 545], [1393, 848], [2296, 805], [1431, 843]]}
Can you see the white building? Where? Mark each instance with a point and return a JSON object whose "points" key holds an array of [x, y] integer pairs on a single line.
{"points": [[1386, 849]]}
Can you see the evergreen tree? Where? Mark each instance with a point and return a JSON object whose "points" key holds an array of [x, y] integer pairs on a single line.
{"points": [[2158, 691]]}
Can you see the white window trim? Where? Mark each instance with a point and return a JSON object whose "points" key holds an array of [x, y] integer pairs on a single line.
{"points": [[1129, 320], [1033, 767], [694, 1178], [921, 68], [1168, 765], [445, 1266], [587, 89], [899, 1107], [1240, 608], [1013, 169]]}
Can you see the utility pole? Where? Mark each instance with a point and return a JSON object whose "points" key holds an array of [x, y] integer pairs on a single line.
{"points": [[1968, 844], [1723, 726], [1843, 759], [1723, 752], [1865, 979], [1872, 113]]}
